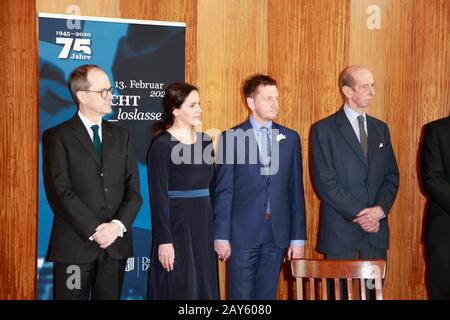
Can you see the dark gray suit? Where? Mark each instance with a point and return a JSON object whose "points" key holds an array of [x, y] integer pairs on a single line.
{"points": [[347, 183], [85, 191]]}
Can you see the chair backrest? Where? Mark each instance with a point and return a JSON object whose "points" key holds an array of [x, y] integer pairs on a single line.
{"points": [[372, 270]]}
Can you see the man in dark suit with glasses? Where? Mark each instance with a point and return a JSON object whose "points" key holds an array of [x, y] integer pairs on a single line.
{"points": [[92, 184]]}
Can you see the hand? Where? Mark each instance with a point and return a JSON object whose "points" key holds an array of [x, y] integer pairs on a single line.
{"points": [[373, 229], [166, 256], [369, 218], [223, 249], [106, 234], [295, 252]]}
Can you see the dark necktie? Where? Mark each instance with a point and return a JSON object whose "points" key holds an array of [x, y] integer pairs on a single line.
{"points": [[96, 140], [362, 135]]}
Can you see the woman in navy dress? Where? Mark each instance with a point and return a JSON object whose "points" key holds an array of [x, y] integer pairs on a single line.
{"points": [[180, 171]]}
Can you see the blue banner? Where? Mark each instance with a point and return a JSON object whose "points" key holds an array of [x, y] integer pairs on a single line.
{"points": [[141, 58]]}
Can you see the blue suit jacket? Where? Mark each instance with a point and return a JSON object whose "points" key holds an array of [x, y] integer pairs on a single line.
{"points": [[241, 192], [347, 183]]}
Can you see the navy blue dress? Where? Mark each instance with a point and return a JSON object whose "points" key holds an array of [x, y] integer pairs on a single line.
{"points": [[182, 214]]}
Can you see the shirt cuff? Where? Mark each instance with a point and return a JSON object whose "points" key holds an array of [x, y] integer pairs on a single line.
{"points": [[298, 243], [222, 240], [121, 227], [91, 238]]}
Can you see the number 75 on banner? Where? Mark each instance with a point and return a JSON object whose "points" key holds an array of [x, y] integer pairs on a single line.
{"points": [[79, 45]]}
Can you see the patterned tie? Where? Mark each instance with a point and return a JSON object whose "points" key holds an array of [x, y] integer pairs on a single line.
{"points": [[362, 135], [266, 154], [96, 140], [266, 150]]}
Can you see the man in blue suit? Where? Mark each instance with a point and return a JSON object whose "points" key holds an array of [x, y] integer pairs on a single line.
{"points": [[259, 208], [355, 173]]}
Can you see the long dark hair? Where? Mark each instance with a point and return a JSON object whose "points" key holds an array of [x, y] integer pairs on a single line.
{"points": [[174, 96]]}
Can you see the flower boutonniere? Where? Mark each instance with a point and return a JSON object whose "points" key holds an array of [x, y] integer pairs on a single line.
{"points": [[280, 137]]}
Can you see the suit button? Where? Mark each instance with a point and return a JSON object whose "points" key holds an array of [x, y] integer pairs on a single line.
{"points": [[106, 190], [101, 174], [264, 205], [268, 182]]}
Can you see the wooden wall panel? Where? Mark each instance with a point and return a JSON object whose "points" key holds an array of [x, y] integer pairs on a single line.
{"points": [[308, 43], [232, 44], [430, 55], [19, 145], [98, 8]]}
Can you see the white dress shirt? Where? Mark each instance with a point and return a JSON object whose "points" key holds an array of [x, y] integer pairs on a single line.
{"points": [[352, 116], [88, 124]]}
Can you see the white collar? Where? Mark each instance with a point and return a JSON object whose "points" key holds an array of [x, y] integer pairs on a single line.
{"points": [[88, 123], [352, 114]]}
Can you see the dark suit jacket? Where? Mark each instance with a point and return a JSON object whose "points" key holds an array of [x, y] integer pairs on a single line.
{"points": [[85, 192], [435, 171], [241, 192], [347, 183]]}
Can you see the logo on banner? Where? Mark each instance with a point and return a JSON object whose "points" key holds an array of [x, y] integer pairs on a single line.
{"points": [[143, 264], [76, 45], [130, 265]]}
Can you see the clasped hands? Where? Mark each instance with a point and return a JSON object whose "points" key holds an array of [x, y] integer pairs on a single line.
{"points": [[369, 219], [105, 234]]}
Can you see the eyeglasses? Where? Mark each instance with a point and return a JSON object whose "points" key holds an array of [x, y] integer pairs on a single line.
{"points": [[104, 92]]}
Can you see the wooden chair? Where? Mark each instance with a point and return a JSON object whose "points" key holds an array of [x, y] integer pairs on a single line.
{"points": [[363, 270]]}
